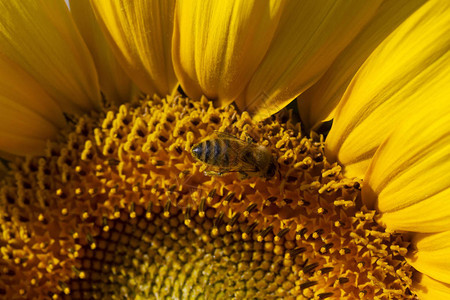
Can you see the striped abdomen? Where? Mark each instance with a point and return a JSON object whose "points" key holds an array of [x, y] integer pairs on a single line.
{"points": [[214, 152]]}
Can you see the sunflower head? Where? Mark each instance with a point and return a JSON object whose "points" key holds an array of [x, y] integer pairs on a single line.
{"points": [[120, 207], [118, 186]]}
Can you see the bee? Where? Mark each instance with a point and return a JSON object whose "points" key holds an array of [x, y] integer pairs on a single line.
{"points": [[226, 153]]}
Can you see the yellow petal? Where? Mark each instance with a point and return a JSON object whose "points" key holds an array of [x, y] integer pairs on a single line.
{"points": [[42, 38], [28, 115], [22, 130], [218, 44], [431, 257], [12, 143], [318, 103], [402, 76], [429, 289], [114, 83], [20, 88], [408, 179], [140, 33], [310, 35]]}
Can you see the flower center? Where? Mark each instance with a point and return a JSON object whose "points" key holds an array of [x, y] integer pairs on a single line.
{"points": [[120, 208]]}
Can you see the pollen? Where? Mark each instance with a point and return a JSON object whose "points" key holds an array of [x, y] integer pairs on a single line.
{"points": [[118, 208]]}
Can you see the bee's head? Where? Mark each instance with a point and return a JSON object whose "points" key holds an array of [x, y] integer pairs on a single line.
{"points": [[271, 169], [196, 151]]}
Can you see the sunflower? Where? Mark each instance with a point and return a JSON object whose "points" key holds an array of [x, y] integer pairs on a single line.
{"points": [[103, 101]]}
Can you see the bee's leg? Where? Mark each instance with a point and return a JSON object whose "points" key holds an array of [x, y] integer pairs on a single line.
{"points": [[215, 173], [243, 175], [248, 138], [212, 173]]}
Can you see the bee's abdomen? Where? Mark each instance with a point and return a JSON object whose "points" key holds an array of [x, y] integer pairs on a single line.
{"points": [[213, 152], [225, 158], [204, 151], [207, 151], [221, 153]]}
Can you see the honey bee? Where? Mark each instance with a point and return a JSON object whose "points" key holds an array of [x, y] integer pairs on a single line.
{"points": [[226, 153]]}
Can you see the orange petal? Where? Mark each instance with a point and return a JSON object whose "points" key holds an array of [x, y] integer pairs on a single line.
{"points": [[114, 83], [21, 145], [3, 168], [42, 38], [404, 74], [318, 103], [140, 33]]}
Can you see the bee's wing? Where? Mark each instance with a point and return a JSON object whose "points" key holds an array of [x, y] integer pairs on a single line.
{"points": [[250, 170], [221, 134], [246, 161], [225, 135]]}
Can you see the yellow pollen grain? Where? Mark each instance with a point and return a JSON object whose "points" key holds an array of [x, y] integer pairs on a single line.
{"points": [[135, 217]]}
